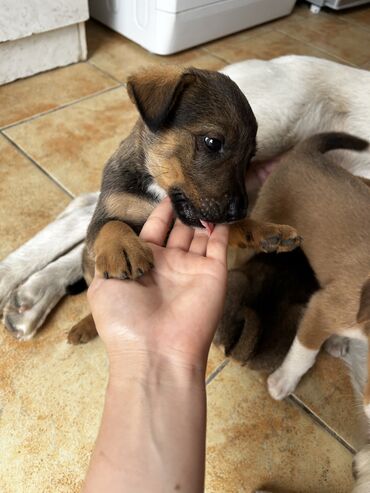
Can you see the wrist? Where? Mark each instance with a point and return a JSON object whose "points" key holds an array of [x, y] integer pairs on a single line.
{"points": [[154, 368]]}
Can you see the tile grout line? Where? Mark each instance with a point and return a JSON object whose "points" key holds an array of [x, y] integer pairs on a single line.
{"points": [[107, 74], [38, 166], [316, 418], [209, 52], [218, 370], [62, 106], [324, 52]]}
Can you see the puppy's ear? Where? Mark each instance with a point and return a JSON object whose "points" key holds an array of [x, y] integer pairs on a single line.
{"points": [[363, 314], [156, 90]]}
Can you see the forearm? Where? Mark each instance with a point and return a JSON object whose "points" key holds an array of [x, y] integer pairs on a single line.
{"points": [[152, 436]]}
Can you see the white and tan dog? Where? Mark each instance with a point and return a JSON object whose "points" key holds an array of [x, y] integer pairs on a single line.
{"points": [[292, 97]]}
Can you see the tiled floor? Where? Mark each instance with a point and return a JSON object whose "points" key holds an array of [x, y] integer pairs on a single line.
{"points": [[57, 130]]}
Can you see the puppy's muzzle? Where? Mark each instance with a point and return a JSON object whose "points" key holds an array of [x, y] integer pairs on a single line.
{"points": [[215, 211]]}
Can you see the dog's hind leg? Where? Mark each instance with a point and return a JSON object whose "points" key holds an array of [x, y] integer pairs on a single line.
{"points": [[313, 331], [31, 302], [54, 240]]}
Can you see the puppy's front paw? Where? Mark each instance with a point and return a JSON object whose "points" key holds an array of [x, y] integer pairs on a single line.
{"points": [[120, 254], [281, 383], [264, 237], [278, 238]]}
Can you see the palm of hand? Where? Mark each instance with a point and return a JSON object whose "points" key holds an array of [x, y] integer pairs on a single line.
{"points": [[174, 308]]}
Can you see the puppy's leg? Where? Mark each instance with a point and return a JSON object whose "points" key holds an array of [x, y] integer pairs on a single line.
{"points": [[361, 470], [30, 303], [120, 253], [84, 331], [263, 236], [367, 386], [312, 333], [57, 238]]}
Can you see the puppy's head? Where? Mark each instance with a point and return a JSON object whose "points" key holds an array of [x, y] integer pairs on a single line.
{"points": [[199, 137]]}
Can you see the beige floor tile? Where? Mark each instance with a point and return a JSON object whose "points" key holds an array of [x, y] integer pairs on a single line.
{"points": [[215, 358], [329, 33], [74, 143], [328, 392], [255, 442], [28, 97], [120, 57], [28, 199], [51, 397], [359, 16], [264, 46]]}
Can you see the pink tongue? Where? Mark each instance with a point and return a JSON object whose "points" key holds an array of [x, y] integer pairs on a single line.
{"points": [[208, 226]]}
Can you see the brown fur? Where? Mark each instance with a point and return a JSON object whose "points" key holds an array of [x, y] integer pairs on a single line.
{"points": [[263, 237], [329, 207], [120, 253], [167, 151], [128, 207], [266, 299]]}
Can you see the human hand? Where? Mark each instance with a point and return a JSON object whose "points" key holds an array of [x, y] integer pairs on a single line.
{"points": [[174, 309]]}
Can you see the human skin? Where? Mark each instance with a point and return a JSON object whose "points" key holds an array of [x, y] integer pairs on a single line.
{"points": [[157, 332]]}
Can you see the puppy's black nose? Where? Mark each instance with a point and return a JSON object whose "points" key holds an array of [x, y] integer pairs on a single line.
{"points": [[237, 209]]}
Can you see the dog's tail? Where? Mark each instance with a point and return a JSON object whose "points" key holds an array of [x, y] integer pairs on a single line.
{"points": [[324, 142]]}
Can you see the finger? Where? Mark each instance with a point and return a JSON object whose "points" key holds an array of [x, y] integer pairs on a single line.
{"points": [[199, 242], [157, 225], [180, 236], [217, 243]]}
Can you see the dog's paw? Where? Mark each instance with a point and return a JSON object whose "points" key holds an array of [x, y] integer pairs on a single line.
{"points": [[28, 306], [83, 332], [337, 346], [21, 317], [278, 238], [361, 470], [7, 283], [126, 259], [281, 383]]}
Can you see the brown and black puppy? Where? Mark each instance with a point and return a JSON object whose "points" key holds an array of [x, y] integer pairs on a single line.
{"points": [[193, 142], [330, 208], [266, 298]]}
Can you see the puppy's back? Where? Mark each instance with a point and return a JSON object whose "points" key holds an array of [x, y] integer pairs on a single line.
{"points": [[326, 204]]}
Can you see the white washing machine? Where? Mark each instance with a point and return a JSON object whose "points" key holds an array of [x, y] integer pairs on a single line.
{"points": [[169, 26], [335, 4]]}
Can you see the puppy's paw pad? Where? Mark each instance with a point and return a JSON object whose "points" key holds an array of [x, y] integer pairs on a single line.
{"points": [[125, 261], [279, 238], [337, 346], [280, 384]]}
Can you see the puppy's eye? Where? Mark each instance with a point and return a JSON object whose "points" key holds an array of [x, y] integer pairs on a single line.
{"points": [[213, 144]]}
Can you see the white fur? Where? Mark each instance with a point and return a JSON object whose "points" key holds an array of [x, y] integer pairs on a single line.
{"points": [[56, 239], [294, 97], [30, 303], [362, 470], [297, 362], [355, 332], [156, 190]]}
